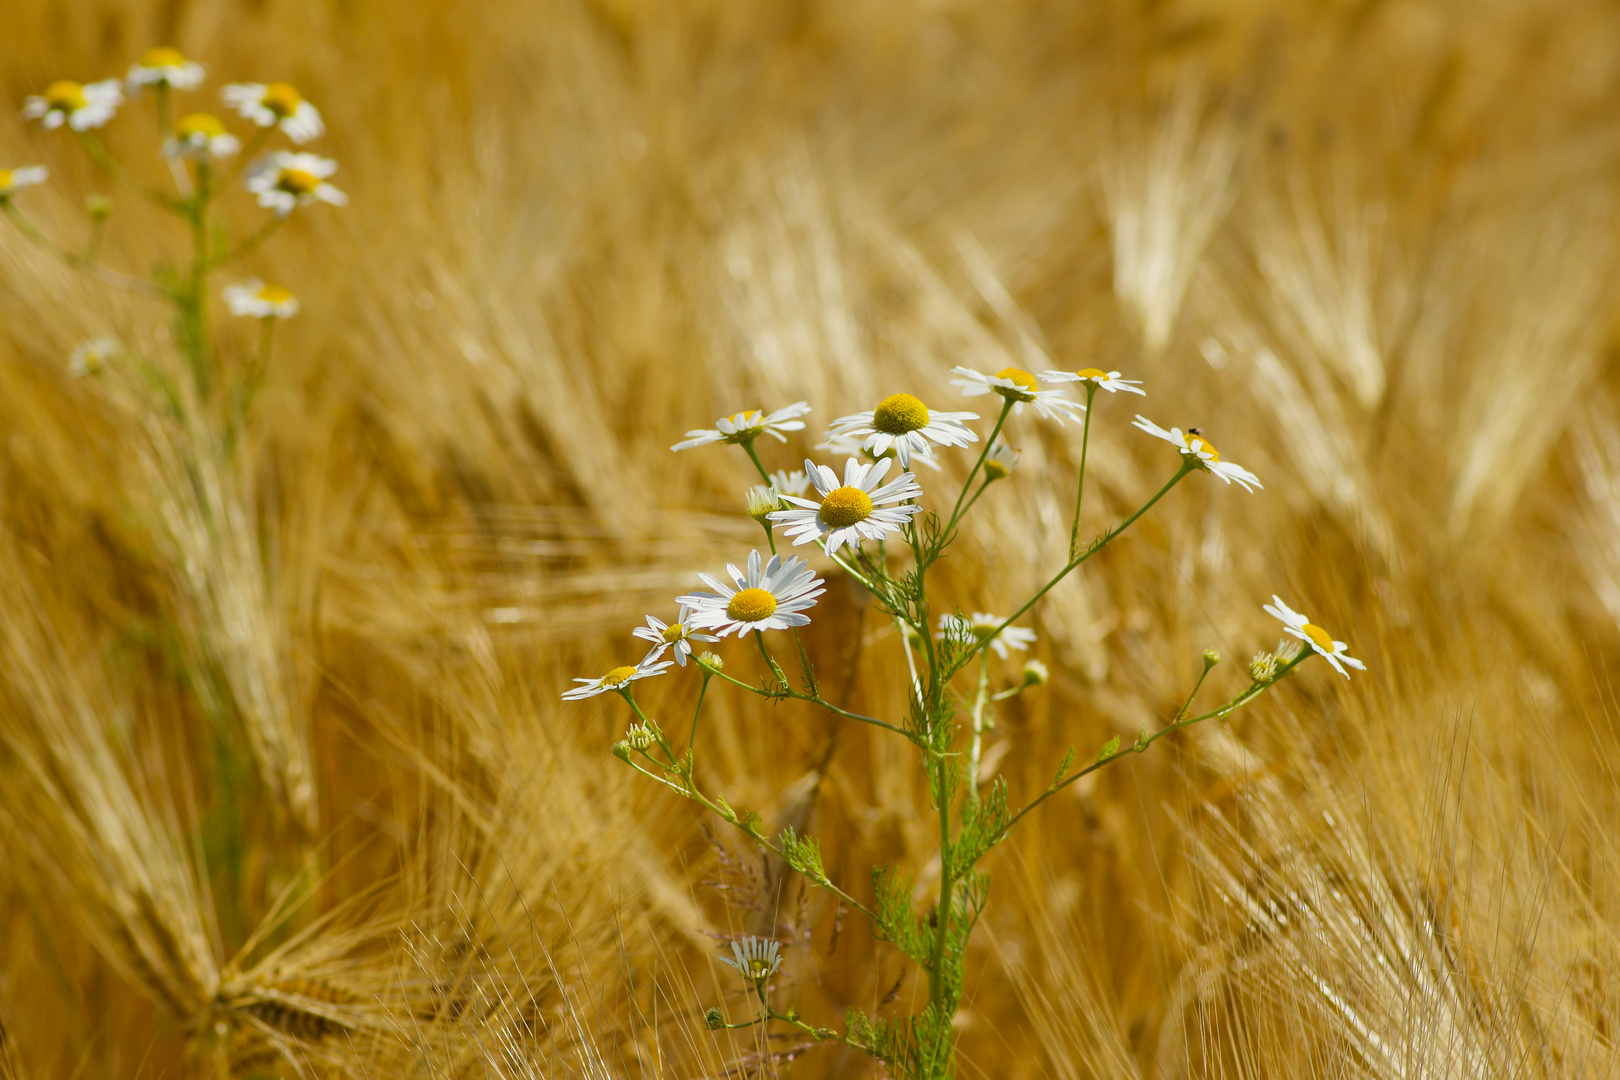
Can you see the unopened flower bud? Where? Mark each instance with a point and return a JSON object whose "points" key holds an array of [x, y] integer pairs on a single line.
{"points": [[98, 206], [1211, 658], [762, 501], [1035, 673], [1263, 668], [621, 751], [712, 661], [714, 1019], [638, 737]]}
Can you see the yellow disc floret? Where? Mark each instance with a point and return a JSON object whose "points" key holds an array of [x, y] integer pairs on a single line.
{"points": [[162, 57], [1319, 637], [65, 96], [1092, 373], [1024, 384], [617, 677], [274, 294], [758, 968], [297, 182], [194, 124], [281, 98], [846, 506], [898, 414], [751, 605], [674, 632], [5, 181], [1196, 443]]}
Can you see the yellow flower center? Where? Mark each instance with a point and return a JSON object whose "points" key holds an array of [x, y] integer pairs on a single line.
{"points": [[65, 96], [1319, 637], [898, 414], [274, 294], [674, 632], [162, 57], [996, 469], [1024, 384], [617, 677], [1092, 373], [281, 98], [845, 506], [758, 968], [1198, 442], [199, 124], [751, 605], [297, 181], [5, 180]]}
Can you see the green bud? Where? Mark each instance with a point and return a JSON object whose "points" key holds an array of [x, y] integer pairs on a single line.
{"points": [[1035, 673], [639, 737], [621, 751], [98, 206], [711, 660], [792, 1014], [1211, 658], [714, 1019]]}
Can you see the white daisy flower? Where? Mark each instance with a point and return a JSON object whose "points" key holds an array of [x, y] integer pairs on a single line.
{"points": [[677, 635], [1104, 380], [851, 512], [1001, 461], [756, 958], [260, 301], [772, 598], [796, 482], [981, 626], [762, 501], [617, 679], [1317, 638], [276, 105], [1193, 445], [199, 136], [284, 180], [745, 427], [904, 422], [855, 446], [164, 66], [1021, 388], [13, 180], [81, 106], [92, 356]]}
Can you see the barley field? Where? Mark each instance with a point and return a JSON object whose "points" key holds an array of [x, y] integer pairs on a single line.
{"points": [[287, 787]]}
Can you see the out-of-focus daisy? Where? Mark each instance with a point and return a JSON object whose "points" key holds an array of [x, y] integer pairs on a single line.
{"points": [[260, 301], [166, 66], [1021, 388], [905, 423], [796, 482], [81, 106], [756, 958], [617, 679], [1317, 638], [1192, 444], [285, 180], [276, 105], [200, 135], [677, 635], [92, 356], [1001, 461], [13, 180], [855, 446], [744, 427], [1104, 380], [981, 626], [772, 597], [850, 512]]}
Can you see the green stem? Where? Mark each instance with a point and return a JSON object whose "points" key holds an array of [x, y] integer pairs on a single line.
{"points": [[749, 448], [250, 245], [957, 510], [937, 980], [813, 699], [1080, 488], [243, 159], [691, 740], [104, 161]]}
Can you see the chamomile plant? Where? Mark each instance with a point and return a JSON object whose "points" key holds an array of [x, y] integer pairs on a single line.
{"points": [[886, 533]]}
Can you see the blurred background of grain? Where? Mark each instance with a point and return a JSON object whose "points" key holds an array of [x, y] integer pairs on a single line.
{"points": [[1368, 247]]}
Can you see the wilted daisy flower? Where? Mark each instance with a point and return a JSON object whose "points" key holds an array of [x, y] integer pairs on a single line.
{"points": [[981, 626], [1021, 388], [1193, 445], [855, 446], [284, 180], [904, 422], [617, 679], [851, 512], [81, 106], [260, 301], [756, 958], [164, 66], [1000, 461], [1105, 380], [12, 180], [276, 105], [200, 135], [677, 635], [1317, 638], [796, 482], [91, 357], [772, 598], [745, 427]]}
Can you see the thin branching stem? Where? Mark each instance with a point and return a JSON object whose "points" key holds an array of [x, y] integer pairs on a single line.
{"points": [[1080, 487]]}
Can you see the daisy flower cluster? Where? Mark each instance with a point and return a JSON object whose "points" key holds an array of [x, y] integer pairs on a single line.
{"points": [[864, 517]]}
